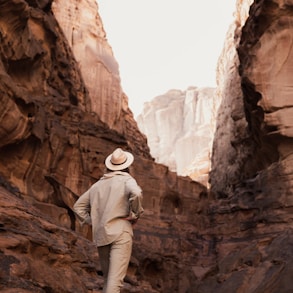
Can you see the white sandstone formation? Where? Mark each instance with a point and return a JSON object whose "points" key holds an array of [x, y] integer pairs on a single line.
{"points": [[179, 126]]}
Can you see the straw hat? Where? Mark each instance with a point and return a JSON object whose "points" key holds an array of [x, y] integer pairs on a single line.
{"points": [[119, 160]]}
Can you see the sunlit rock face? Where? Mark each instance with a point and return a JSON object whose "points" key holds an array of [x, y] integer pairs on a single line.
{"points": [[85, 35], [179, 126]]}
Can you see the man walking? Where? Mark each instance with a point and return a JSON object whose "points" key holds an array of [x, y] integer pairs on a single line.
{"points": [[112, 205]]}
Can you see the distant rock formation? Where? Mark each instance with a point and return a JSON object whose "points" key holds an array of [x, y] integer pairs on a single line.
{"points": [[179, 126]]}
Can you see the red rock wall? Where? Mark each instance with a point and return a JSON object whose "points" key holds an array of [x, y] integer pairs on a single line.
{"points": [[252, 170], [52, 149], [258, 139]]}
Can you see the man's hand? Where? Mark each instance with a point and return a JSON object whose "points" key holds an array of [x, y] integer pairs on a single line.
{"points": [[132, 220]]}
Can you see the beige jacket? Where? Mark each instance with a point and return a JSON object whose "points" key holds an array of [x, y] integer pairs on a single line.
{"points": [[107, 203]]}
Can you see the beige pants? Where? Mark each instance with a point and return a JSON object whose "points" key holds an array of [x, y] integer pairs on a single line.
{"points": [[115, 259]]}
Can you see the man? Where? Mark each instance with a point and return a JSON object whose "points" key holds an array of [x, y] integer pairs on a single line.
{"points": [[112, 205]]}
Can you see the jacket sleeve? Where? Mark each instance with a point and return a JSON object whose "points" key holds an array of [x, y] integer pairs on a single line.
{"points": [[82, 208], [135, 199]]}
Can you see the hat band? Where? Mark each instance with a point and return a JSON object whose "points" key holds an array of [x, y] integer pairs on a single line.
{"points": [[116, 164]]}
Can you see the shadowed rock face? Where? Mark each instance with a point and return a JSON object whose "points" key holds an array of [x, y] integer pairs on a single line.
{"points": [[56, 130], [256, 132], [252, 155]]}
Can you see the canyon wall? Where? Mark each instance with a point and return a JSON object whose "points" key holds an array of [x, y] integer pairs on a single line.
{"points": [[62, 113], [57, 126], [256, 131], [251, 176], [179, 127]]}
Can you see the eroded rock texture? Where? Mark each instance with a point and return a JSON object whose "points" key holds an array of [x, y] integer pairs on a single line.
{"points": [[38, 256], [56, 130], [258, 140], [252, 155]]}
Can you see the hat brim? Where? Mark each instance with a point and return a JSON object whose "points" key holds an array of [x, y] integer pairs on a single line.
{"points": [[119, 167]]}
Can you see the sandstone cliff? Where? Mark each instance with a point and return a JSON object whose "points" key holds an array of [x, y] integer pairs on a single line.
{"points": [[252, 151], [57, 126], [179, 127]]}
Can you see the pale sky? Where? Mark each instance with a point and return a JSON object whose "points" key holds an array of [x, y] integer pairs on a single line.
{"points": [[165, 44]]}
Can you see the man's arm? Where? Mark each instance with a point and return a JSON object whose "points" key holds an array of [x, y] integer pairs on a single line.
{"points": [[135, 200], [82, 208]]}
